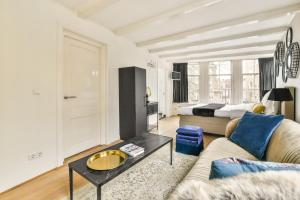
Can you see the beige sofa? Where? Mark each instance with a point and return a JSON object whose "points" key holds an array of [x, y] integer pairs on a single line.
{"points": [[284, 147]]}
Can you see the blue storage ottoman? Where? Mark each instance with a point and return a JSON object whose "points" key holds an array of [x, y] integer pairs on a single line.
{"points": [[189, 140]]}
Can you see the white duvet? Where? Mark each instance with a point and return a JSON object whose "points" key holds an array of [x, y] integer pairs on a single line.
{"points": [[231, 111]]}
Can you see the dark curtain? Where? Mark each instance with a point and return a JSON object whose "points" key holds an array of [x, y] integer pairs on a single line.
{"points": [[180, 88], [267, 78]]}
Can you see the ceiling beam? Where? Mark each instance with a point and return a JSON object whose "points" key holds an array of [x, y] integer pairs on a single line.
{"points": [[261, 16], [235, 47], [244, 57], [251, 53], [90, 7], [174, 12], [264, 32]]}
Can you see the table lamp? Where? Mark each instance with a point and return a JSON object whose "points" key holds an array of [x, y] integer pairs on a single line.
{"points": [[280, 94]]}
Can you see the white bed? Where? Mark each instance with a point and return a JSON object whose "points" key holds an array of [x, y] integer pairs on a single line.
{"points": [[217, 124], [214, 125], [229, 111]]}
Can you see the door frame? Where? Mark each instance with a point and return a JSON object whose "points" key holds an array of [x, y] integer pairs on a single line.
{"points": [[103, 93]]}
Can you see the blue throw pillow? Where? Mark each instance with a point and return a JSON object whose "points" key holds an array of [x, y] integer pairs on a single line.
{"points": [[254, 132], [228, 167]]}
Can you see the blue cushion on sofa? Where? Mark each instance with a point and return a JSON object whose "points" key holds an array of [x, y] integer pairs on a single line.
{"points": [[254, 132], [228, 167]]}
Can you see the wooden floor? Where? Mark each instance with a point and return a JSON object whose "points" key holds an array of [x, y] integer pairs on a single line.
{"points": [[168, 127], [55, 184]]}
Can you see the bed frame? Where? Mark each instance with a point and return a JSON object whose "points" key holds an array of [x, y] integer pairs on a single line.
{"points": [[210, 125]]}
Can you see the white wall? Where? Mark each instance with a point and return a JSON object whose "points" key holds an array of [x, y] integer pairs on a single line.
{"points": [[28, 50], [295, 24], [169, 91]]}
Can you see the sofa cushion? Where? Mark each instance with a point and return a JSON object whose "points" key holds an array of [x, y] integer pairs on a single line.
{"points": [[228, 167], [284, 145], [254, 132], [217, 149]]}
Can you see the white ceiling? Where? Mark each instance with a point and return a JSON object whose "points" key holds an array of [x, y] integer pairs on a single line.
{"points": [[185, 29]]}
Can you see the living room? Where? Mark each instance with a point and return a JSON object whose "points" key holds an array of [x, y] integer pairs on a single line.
{"points": [[83, 77]]}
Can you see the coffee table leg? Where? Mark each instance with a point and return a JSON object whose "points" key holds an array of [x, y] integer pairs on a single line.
{"points": [[71, 183], [99, 193], [171, 152]]}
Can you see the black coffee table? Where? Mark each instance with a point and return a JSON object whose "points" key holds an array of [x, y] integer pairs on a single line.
{"points": [[151, 143]]}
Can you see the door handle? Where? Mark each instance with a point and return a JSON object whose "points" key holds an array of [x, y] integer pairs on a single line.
{"points": [[70, 97]]}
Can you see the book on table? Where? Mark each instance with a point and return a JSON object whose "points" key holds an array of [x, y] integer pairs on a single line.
{"points": [[132, 149]]}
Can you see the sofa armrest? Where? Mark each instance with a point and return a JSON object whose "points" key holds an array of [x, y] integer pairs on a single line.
{"points": [[231, 126]]}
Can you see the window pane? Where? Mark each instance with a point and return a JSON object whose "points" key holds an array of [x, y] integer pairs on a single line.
{"points": [[193, 69], [213, 68], [249, 82], [250, 96], [214, 83], [225, 67], [256, 66], [250, 71], [193, 86], [225, 82], [248, 66], [220, 82], [256, 81]]}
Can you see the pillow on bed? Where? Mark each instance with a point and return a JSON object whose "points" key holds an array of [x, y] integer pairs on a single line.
{"points": [[271, 107], [258, 108]]}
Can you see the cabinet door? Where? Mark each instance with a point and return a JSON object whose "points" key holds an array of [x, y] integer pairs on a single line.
{"points": [[141, 104]]}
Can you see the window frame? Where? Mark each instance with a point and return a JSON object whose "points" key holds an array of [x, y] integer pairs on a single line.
{"points": [[194, 76], [219, 75], [251, 74]]}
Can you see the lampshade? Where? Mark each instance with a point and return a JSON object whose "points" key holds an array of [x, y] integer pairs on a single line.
{"points": [[280, 94]]}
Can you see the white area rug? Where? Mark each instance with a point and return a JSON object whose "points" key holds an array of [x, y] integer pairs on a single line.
{"points": [[151, 179]]}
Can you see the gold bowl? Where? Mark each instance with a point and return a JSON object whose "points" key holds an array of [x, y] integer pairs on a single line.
{"points": [[107, 160]]}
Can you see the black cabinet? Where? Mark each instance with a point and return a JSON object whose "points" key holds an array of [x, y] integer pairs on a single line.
{"points": [[132, 102]]}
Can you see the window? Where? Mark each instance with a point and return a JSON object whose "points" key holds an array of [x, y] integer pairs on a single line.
{"points": [[250, 74], [193, 82], [219, 82]]}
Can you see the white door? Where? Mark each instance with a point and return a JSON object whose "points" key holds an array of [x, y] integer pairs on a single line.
{"points": [[81, 125]]}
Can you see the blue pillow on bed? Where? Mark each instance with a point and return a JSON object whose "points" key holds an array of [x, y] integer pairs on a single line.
{"points": [[254, 132], [228, 167]]}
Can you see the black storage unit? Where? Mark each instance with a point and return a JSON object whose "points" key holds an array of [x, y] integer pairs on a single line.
{"points": [[132, 102]]}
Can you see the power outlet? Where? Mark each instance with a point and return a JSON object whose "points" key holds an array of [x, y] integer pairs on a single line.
{"points": [[35, 156], [31, 156], [40, 154]]}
